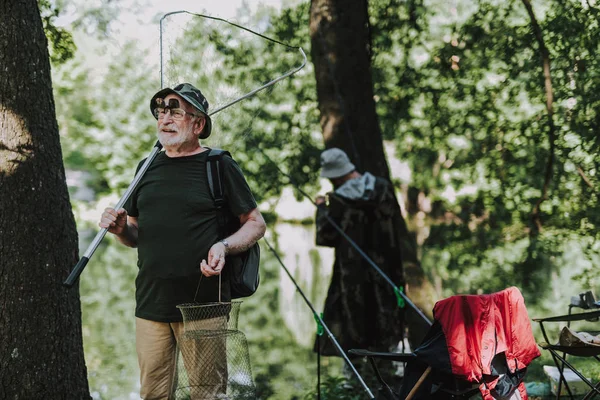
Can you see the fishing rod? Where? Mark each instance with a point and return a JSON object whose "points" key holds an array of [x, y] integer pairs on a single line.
{"points": [[399, 292], [320, 320], [81, 264]]}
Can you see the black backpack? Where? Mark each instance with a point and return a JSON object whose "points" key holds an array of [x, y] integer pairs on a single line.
{"points": [[244, 267]]}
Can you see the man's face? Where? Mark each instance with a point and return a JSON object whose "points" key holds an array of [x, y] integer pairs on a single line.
{"points": [[177, 130]]}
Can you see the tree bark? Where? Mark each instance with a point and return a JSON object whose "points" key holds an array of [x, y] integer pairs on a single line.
{"points": [[41, 349], [340, 49], [341, 55]]}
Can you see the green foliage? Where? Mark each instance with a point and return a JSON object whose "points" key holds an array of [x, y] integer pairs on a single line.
{"points": [[94, 18], [460, 92], [62, 46], [279, 367], [106, 128], [337, 388], [464, 101], [108, 325]]}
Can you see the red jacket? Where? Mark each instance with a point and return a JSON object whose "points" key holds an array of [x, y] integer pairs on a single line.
{"points": [[479, 327]]}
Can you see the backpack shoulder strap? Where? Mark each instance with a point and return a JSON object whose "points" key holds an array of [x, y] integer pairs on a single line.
{"points": [[214, 173]]}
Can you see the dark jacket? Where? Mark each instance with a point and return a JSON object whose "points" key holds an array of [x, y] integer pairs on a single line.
{"points": [[361, 308]]}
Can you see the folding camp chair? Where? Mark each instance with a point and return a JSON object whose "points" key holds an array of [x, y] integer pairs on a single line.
{"points": [[477, 344], [572, 344], [421, 380]]}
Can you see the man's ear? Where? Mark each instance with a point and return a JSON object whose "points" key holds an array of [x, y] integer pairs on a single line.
{"points": [[199, 126]]}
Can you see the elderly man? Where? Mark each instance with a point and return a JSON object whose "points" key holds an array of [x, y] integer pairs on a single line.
{"points": [[172, 220], [360, 308]]}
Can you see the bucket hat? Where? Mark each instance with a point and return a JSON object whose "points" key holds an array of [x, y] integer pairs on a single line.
{"points": [[192, 95], [335, 163]]}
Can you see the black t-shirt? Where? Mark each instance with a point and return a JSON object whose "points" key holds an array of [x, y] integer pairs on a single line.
{"points": [[178, 224]]}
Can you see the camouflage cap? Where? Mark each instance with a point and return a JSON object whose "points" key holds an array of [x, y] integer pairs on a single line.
{"points": [[335, 163], [193, 96]]}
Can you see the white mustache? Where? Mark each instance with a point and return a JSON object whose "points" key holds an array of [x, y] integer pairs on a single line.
{"points": [[170, 127]]}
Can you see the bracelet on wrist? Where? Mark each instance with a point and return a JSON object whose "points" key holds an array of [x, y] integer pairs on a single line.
{"points": [[226, 244]]}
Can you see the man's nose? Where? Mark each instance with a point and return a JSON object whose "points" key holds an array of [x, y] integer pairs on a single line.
{"points": [[168, 115]]}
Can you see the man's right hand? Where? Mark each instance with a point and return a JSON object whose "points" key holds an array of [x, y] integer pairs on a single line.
{"points": [[114, 220]]}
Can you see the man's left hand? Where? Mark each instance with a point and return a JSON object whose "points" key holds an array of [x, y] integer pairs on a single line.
{"points": [[216, 260]]}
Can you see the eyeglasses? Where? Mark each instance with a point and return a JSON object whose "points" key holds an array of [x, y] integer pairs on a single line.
{"points": [[177, 113]]}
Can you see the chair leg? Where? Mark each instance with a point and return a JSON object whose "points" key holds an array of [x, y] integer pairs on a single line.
{"points": [[562, 379], [592, 393], [418, 384], [378, 375], [595, 388]]}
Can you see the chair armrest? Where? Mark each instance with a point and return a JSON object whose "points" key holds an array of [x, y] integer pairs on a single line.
{"points": [[404, 357], [569, 318], [582, 351]]}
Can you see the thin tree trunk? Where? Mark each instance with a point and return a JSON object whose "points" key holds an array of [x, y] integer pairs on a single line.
{"points": [[41, 350], [545, 56]]}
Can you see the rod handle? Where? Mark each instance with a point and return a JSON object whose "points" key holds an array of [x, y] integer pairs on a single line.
{"points": [[74, 275]]}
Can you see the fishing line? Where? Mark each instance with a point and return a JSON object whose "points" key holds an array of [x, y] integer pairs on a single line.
{"points": [[320, 320]]}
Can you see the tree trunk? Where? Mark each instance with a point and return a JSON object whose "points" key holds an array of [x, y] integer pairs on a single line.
{"points": [[340, 40], [41, 349], [340, 51]]}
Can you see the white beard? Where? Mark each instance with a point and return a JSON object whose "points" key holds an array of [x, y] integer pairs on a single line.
{"points": [[173, 140], [168, 140]]}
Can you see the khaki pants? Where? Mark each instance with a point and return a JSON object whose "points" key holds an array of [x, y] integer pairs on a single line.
{"points": [[204, 360]]}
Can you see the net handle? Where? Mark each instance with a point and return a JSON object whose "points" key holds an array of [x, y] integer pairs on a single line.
{"points": [[252, 92], [198, 287]]}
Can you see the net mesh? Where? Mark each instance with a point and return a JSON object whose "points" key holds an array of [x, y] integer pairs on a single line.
{"points": [[212, 355]]}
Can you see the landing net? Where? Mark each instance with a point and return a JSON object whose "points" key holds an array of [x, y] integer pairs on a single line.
{"points": [[212, 355], [236, 69]]}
